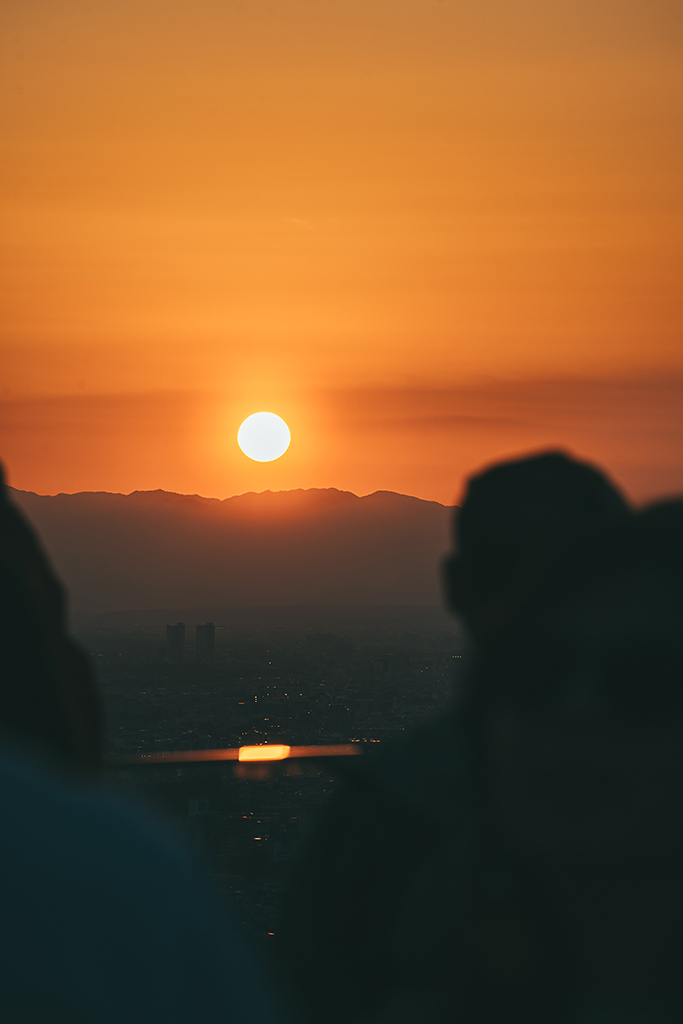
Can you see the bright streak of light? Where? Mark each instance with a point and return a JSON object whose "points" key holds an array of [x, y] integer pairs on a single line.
{"points": [[266, 752]]}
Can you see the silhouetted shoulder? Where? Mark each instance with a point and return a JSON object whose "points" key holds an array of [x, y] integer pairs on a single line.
{"points": [[109, 918]]}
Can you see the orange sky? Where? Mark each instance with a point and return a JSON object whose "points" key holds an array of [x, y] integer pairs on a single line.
{"points": [[426, 233]]}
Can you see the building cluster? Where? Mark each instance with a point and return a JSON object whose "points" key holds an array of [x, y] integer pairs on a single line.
{"points": [[205, 641]]}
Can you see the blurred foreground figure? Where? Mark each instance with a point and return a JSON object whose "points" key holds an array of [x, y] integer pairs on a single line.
{"points": [[575, 897], [105, 919], [517, 859], [48, 696]]}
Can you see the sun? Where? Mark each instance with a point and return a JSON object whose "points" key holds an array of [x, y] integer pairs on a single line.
{"points": [[264, 437]]}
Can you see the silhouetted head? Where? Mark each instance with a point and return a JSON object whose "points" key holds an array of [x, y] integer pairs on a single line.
{"points": [[521, 521], [47, 694]]}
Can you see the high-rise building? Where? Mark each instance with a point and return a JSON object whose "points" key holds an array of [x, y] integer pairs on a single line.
{"points": [[206, 640], [175, 641]]}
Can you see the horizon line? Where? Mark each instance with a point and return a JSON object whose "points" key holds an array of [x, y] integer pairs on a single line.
{"points": [[230, 497]]}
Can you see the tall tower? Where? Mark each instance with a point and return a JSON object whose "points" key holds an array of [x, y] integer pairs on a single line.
{"points": [[175, 641], [206, 640]]}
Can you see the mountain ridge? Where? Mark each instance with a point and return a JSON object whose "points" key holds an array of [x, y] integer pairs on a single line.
{"points": [[233, 497], [150, 549]]}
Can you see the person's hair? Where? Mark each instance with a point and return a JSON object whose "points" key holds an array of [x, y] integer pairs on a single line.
{"points": [[47, 696], [520, 522]]}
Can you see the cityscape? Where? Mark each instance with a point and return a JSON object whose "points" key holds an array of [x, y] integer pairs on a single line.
{"points": [[234, 682]]}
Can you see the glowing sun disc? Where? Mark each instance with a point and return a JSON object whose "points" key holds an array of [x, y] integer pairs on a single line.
{"points": [[264, 436]]}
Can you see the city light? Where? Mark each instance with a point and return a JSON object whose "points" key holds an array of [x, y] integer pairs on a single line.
{"points": [[266, 752]]}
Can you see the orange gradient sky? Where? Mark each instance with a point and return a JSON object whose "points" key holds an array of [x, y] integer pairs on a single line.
{"points": [[425, 233]]}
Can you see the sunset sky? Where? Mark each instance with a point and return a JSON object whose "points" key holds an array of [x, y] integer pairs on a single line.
{"points": [[428, 233]]}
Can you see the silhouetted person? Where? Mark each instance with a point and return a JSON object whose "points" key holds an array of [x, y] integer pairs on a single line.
{"points": [[574, 896], [371, 926], [104, 918], [48, 695]]}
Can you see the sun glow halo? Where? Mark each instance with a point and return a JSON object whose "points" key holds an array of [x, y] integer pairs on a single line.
{"points": [[264, 437]]}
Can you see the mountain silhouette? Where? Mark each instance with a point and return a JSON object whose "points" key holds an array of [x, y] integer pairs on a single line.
{"points": [[156, 549]]}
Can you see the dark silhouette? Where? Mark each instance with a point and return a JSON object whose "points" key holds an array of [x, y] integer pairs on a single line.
{"points": [[107, 919], [206, 640], [520, 523], [405, 888], [48, 693], [175, 641], [574, 896]]}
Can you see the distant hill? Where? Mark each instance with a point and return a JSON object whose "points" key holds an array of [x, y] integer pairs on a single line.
{"points": [[155, 549]]}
